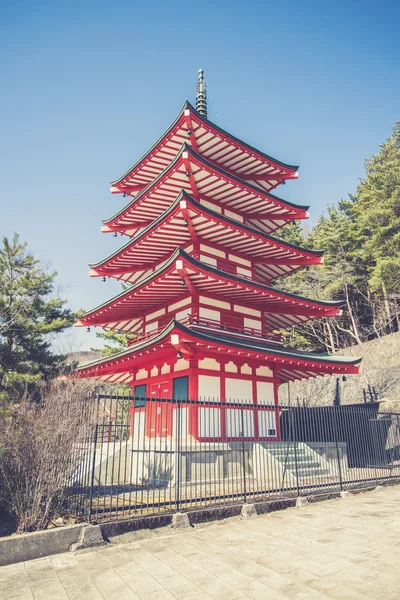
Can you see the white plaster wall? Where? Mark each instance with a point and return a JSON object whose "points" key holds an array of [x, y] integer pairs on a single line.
{"points": [[253, 323], [139, 420], [213, 251], [165, 369], [266, 371], [209, 387], [235, 424], [154, 372], [244, 272], [155, 314], [151, 326], [241, 261], [209, 363], [246, 370], [246, 311], [180, 422], [208, 313], [238, 389], [180, 304], [208, 260], [181, 364], [230, 367], [182, 314], [265, 392], [216, 303], [141, 374], [266, 423], [209, 422]]}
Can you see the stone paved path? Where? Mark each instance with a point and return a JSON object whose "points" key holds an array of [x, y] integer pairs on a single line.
{"points": [[342, 549]]}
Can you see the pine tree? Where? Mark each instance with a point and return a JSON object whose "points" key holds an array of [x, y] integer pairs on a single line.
{"points": [[30, 314], [361, 239]]}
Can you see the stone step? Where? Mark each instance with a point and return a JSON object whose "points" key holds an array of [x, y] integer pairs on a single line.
{"points": [[301, 464], [286, 452]]}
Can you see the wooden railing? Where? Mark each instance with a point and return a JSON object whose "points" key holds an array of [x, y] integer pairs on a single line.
{"points": [[199, 322]]}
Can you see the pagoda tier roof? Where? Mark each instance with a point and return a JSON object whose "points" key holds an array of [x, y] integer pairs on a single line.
{"points": [[289, 364], [215, 144], [210, 185], [185, 222], [182, 275]]}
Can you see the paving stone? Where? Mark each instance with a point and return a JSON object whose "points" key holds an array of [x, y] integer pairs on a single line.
{"points": [[339, 551], [219, 590], [179, 586], [259, 591]]}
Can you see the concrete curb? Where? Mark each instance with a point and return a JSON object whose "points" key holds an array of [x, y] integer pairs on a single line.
{"points": [[248, 511], [180, 521], [90, 537], [29, 546], [301, 501]]}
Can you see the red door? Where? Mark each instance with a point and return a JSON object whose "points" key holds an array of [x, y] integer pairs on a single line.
{"points": [[157, 411]]}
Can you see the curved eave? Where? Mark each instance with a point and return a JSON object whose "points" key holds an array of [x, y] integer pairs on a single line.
{"points": [[212, 167], [280, 356], [279, 351], [269, 239], [217, 274], [236, 141]]}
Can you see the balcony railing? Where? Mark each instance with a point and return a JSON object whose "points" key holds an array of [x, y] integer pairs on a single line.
{"points": [[197, 322]]}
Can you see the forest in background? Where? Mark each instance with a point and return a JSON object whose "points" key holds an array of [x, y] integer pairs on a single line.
{"points": [[361, 240]]}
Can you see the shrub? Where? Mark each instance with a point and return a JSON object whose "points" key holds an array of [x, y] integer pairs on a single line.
{"points": [[40, 452]]}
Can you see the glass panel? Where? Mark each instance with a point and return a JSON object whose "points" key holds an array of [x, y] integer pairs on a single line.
{"points": [[139, 392], [180, 388]]}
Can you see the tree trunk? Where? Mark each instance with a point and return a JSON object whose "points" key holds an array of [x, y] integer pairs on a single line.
{"points": [[352, 319]]}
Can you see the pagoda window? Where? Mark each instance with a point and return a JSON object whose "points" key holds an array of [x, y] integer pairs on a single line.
{"points": [[139, 393], [180, 388]]}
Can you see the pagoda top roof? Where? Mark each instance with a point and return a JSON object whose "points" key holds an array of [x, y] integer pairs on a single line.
{"points": [[291, 364], [210, 184], [217, 145], [164, 286], [155, 243]]}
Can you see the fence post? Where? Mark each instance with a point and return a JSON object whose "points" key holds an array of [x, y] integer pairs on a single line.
{"points": [[336, 433], [243, 456], [92, 477], [295, 451], [178, 445]]}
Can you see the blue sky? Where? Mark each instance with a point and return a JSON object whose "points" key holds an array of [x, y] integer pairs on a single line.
{"points": [[88, 86]]}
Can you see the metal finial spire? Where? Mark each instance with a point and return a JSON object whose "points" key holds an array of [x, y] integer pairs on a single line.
{"points": [[201, 96]]}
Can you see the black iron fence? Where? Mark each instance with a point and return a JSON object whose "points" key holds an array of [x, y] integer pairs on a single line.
{"points": [[150, 455]]}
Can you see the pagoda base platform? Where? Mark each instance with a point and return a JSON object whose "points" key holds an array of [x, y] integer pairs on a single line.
{"points": [[272, 465]]}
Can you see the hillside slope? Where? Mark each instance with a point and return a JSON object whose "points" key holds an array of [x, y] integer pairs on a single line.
{"points": [[380, 369]]}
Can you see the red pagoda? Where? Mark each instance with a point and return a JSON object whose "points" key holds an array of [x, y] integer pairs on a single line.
{"points": [[202, 317]]}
